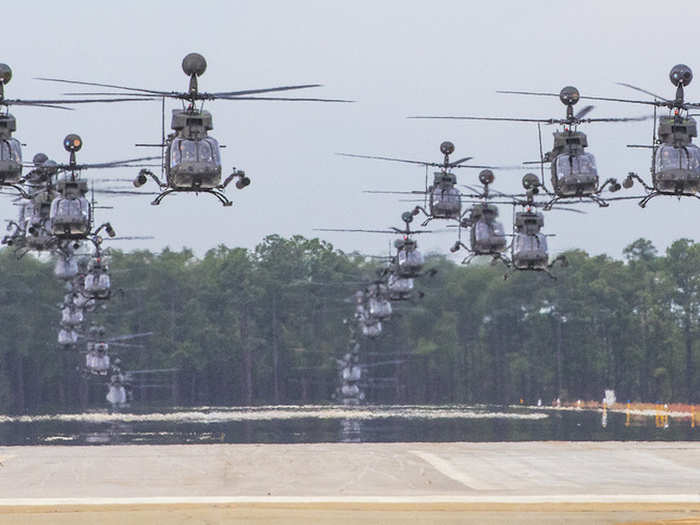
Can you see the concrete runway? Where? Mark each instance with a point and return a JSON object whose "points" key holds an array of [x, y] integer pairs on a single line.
{"points": [[541, 482]]}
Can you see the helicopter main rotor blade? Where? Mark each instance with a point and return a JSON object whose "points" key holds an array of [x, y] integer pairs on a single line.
{"points": [[352, 230], [503, 119], [263, 90], [127, 337], [287, 99], [97, 84], [617, 119], [31, 103], [584, 111], [392, 159], [130, 238], [539, 94], [643, 91], [112, 164], [390, 192], [460, 161], [631, 101]]}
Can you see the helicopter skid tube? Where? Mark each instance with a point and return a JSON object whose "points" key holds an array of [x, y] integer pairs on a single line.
{"points": [[219, 195]]}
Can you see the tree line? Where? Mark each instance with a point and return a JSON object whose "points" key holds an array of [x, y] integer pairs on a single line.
{"points": [[262, 326]]}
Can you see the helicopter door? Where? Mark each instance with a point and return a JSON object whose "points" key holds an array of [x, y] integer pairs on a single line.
{"points": [[10, 160], [576, 174], [677, 169]]}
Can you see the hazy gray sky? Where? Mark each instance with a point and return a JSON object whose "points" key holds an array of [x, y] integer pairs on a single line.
{"points": [[396, 58]]}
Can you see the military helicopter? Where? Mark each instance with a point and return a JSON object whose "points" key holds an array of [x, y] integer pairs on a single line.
{"points": [[675, 160], [97, 359], [408, 261], [573, 170], [529, 250], [191, 158], [486, 234], [32, 230], [442, 198], [71, 213]]}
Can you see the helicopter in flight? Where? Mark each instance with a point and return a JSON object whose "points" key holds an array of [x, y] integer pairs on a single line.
{"points": [[486, 234], [442, 198], [573, 169], [675, 160], [191, 159], [529, 251], [71, 213]]}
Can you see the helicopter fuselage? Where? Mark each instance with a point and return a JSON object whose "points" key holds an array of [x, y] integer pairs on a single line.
{"points": [[193, 160], [445, 200], [574, 172], [676, 160]]}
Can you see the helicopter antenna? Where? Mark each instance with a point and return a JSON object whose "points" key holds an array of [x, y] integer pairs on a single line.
{"points": [[162, 136], [539, 135], [425, 195]]}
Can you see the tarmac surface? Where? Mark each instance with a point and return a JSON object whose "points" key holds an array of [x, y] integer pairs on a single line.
{"points": [[533, 482]]}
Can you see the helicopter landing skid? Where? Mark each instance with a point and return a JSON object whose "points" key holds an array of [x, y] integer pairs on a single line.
{"points": [[653, 194], [598, 200], [219, 195]]}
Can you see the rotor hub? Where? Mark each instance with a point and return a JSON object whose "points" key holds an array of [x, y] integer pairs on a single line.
{"points": [[681, 74], [569, 95], [194, 64], [5, 73], [447, 148]]}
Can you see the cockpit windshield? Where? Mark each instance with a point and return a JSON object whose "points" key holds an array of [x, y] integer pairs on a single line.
{"points": [[11, 149], [410, 260], [65, 210], [685, 158], [203, 150], [536, 243], [581, 165]]}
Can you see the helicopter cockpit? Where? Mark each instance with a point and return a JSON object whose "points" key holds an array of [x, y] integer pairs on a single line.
{"points": [[71, 316], [351, 373], [116, 395], [372, 330], [195, 163], [97, 359], [70, 217], [487, 234], [399, 287], [379, 308], [530, 250], [97, 282], [445, 199], [409, 260], [576, 174], [67, 337], [677, 169]]}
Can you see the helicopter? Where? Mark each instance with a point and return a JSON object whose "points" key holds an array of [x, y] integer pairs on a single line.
{"points": [[191, 160], [442, 198], [71, 213], [675, 160], [97, 359], [573, 170], [529, 250], [486, 234], [408, 261]]}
